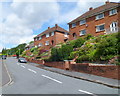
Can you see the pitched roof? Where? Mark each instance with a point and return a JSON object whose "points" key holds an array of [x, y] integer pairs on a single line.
{"points": [[56, 28], [96, 11]]}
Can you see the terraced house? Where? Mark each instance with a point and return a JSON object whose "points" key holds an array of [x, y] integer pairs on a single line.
{"points": [[51, 37], [98, 21]]}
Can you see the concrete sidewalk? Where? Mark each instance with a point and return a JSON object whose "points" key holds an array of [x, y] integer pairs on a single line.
{"points": [[114, 83]]}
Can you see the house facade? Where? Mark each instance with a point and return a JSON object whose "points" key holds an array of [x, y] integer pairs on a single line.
{"points": [[51, 37], [98, 21]]}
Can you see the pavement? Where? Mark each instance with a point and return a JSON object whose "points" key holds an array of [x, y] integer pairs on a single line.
{"points": [[114, 83], [28, 79]]}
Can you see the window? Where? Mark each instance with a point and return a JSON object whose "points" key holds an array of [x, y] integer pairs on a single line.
{"points": [[47, 43], [82, 22], [40, 38], [35, 39], [73, 25], [52, 34], [112, 12], [100, 28], [82, 32], [100, 16], [66, 35], [47, 35], [40, 44], [74, 35], [113, 27]]}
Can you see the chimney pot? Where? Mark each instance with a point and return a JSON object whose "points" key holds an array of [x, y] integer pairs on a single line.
{"points": [[48, 27], [107, 2], [90, 8], [56, 25]]}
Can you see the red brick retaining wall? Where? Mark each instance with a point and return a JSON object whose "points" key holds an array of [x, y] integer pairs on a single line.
{"points": [[60, 65], [109, 71], [36, 61]]}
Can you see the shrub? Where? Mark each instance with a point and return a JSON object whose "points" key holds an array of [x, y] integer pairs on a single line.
{"points": [[107, 48], [88, 36], [60, 54], [77, 43]]}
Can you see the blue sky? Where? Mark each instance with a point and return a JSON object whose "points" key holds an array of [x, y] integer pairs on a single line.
{"points": [[21, 21]]}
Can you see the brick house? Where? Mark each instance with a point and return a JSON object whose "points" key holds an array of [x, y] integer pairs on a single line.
{"points": [[28, 47], [50, 37], [98, 21]]}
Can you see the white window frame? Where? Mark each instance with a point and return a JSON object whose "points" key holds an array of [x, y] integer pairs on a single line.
{"points": [[82, 21], [47, 42], [112, 12], [40, 44], [73, 25], [114, 26], [37, 38], [52, 34], [81, 34], [99, 16], [65, 34], [40, 38], [47, 35], [98, 28]]}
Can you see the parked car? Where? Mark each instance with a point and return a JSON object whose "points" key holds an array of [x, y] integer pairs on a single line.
{"points": [[4, 56], [22, 60]]}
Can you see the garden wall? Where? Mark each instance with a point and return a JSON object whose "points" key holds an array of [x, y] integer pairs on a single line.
{"points": [[109, 71], [60, 65], [35, 61]]}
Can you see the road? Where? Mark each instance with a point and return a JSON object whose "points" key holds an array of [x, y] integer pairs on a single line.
{"points": [[28, 79], [5, 75]]}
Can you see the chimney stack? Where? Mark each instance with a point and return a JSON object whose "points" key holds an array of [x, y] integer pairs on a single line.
{"points": [[56, 25], [48, 27], [91, 8], [107, 2]]}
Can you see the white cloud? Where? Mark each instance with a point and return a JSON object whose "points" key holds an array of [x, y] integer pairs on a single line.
{"points": [[82, 6], [18, 25]]}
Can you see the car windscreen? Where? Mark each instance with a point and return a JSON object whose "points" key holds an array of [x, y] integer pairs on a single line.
{"points": [[22, 58]]}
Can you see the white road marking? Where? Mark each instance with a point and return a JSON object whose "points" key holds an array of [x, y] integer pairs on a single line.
{"points": [[32, 70], [87, 92], [52, 79], [18, 64], [22, 66]]}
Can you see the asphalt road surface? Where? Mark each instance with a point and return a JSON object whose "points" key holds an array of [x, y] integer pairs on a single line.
{"points": [[28, 79], [4, 74]]}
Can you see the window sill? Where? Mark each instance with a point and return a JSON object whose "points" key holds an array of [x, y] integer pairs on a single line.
{"points": [[73, 27], [99, 19], [82, 34], [113, 14], [100, 31], [82, 24]]}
